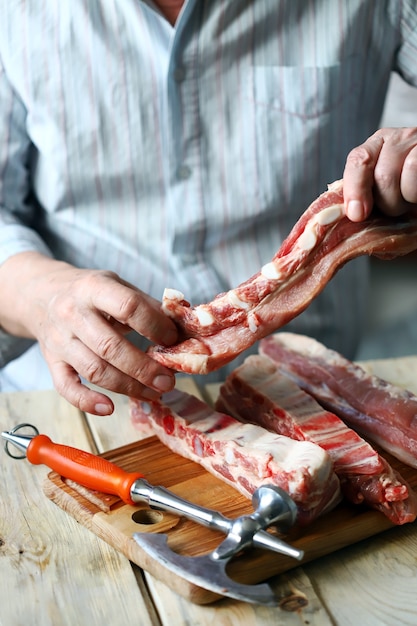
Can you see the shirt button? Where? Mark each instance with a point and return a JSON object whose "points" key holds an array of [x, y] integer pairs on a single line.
{"points": [[184, 172], [179, 74]]}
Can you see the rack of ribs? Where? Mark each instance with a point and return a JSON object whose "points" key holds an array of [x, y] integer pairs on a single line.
{"points": [[242, 455], [258, 392], [323, 240], [382, 412]]}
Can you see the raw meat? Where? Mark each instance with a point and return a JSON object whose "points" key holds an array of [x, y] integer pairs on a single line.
{"points": [[213, 334], [243, 455], [258, 393], [384, 413]]}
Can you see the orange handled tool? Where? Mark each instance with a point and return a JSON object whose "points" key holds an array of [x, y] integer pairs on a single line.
{"points": [[274, 506], [84, 468]]}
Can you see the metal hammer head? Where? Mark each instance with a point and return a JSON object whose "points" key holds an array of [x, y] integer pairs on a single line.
{"points": [[272, 506]]}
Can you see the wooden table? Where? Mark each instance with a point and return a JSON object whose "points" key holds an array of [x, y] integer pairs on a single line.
{"points": [[56, 572]]}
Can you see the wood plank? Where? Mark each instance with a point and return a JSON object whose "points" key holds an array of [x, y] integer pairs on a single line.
{"points": [[290, 588], [371, 583], [53, 571]]}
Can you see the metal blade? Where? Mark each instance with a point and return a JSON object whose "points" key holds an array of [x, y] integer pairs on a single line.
{"points": [[203, 571]]}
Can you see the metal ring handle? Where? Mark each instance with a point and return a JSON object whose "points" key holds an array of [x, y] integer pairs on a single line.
{"points": [[14, 430]]}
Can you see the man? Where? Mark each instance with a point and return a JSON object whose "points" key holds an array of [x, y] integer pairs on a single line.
{"points": [[146, 145]]}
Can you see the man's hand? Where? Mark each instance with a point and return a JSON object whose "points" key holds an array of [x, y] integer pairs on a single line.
{"points": [[382, 171], [80, 319]]}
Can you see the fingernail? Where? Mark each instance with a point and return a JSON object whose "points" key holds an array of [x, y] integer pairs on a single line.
{"points": [[163, 382], [355, 211], [103, 409]]}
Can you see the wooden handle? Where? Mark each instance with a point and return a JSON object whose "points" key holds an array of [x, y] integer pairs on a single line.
{"points": [[85, 468]]}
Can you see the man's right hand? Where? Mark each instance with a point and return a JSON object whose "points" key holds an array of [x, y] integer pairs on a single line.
{"points": [[80, 319]]}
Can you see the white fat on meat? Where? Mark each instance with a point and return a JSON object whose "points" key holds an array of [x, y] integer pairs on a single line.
{"points": [[204, 316], [234, 300], [310, 237], [272, 271], [330, 215], [173, 294]]}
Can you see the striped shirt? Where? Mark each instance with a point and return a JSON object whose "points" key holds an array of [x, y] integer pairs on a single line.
{"points": [[181, 156]]}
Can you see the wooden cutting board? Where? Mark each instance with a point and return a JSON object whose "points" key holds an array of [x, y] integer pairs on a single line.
{"points": [[116, 522]]}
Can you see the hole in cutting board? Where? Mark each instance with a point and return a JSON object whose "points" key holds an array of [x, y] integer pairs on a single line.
{"points": [[147, 517]]}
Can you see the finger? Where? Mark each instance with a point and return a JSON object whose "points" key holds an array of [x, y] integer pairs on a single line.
{"points": [[135, 309], [108, 348], [408, 183], [67, 382], [358, 178], [388, 194]]}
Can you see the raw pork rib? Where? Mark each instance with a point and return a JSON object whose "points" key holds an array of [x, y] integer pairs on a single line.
{"points": [[258, 393], [323, 239], [243, 455], [383, 412]]}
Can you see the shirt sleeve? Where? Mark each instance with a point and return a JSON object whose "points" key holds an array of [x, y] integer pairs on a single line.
{"points": [[17, 209], [17, 212]]}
